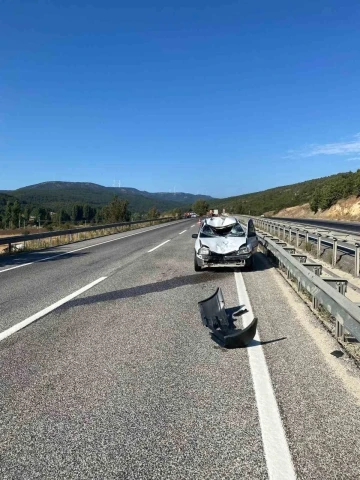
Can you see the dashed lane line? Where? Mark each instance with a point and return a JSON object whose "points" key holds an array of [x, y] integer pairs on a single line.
{"points": [[161, 244], [45, 311]]}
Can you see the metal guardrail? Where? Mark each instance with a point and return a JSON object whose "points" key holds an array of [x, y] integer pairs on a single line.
{"points": [[321, 236], [73, 231], [329, 297]]}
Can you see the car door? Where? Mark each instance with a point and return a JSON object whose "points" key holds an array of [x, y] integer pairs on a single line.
{"points": [[251, 235]]}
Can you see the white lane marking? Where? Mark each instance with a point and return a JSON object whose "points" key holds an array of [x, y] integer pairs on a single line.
{"points": [[161, 244], [83, 248], [276, 449], [45, 311], [182, 232], [193, 226]]}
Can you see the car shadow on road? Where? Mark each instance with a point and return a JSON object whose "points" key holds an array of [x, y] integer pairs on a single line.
{"points": [[261, 262], [153, 287]]}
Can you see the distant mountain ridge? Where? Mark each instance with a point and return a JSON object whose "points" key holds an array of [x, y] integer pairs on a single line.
{"points": [[55, 194]]}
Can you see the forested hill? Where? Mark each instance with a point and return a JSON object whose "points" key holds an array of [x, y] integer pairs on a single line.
{"points": [[55, 195], [321, 193]]}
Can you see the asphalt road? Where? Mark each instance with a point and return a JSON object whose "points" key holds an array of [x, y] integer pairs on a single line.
{"points": [[348, 227], [123, 382]]}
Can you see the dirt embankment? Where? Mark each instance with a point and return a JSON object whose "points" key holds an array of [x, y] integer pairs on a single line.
{"points": [[347, 209]]}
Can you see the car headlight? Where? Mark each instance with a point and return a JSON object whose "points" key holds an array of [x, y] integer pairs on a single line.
{"points": [[204, 251], [245, 249]]}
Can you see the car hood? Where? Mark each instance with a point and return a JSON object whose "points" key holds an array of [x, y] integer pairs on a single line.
{"points": [[224, 244]]}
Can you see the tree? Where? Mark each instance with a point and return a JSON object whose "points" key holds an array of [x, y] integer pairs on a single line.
{"points": [[200, 207], [8, 213], [88, 213], [153, 213], [315, 201], [99, 216], [63, 216], [117, 211], [15, 213], [40, 214], [26, 213], [238, 208], [76, 213], [177, 213]]}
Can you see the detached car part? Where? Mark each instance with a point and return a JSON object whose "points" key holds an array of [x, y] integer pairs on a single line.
{"points": [[215, 317]]}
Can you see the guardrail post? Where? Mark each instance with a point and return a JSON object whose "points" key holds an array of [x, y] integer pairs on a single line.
{"points": [[334, 259], [357, 251], [318, 253], [339, 330], [297, 238], [9, 247], [306, 237], [290, 235], [315, 303]]}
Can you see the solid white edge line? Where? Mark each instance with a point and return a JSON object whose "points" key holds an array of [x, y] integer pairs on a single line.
{"points": [[277, 453], [150, 229], [161, 244], [182, 232], [45, 311]]}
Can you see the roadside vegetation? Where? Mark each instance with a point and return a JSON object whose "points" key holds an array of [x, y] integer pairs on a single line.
{"points": [[22, 218]]}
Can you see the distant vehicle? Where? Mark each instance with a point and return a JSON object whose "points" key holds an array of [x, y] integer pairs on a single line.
{"points": [[190, 215], [223, 242]]}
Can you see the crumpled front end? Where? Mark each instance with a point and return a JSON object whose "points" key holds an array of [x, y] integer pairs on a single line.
{"points": [[231, 259]]}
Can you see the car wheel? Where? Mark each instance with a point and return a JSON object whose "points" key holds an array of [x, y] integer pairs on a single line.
{"points": [[197, 268]]}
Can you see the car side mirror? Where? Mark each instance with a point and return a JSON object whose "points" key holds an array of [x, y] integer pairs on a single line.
{"points": [[194, 235]]}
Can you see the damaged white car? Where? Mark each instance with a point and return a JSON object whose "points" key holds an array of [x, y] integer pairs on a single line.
{"points": [[223, 242]]}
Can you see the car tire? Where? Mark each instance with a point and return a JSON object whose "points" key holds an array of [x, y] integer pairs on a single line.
{"points": [[197, 268]]}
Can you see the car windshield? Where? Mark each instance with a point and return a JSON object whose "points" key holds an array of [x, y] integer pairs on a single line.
{"points": [[231, 231]]}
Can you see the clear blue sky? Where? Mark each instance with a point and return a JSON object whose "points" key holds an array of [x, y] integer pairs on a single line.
{"points": [[217, 97]]}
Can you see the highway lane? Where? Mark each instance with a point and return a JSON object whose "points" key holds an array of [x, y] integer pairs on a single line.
{"points": [[346, 227], [124, 381], [26, 288]]}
